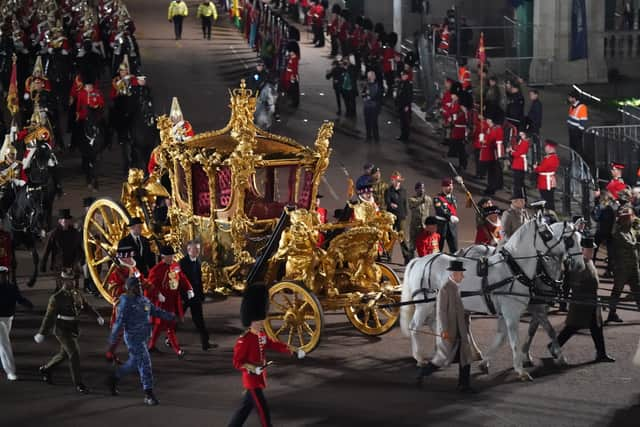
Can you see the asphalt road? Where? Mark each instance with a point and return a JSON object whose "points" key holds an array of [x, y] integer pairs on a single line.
{"points": [[350, 380]]}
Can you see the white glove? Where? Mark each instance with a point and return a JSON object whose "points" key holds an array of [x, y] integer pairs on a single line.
{"points": [[301, 353], [161, 297], [454, 219], [26, 96], [100, 321], [190, 294], [38, 338], [259, 370]]}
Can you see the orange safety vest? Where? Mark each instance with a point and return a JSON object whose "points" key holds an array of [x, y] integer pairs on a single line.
{"points": [[577, 116]]}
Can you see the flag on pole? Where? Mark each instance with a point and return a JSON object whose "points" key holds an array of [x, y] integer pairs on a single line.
{"points": [[12, 98], [481, 55]]}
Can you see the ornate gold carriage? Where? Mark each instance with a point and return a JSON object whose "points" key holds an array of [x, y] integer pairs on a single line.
{"points": [[247, 195]]}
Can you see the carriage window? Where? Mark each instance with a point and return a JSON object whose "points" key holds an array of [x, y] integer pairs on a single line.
{"points": [[182, 183], [306, 185], [273, 189], [201, 193], [223, 187]]}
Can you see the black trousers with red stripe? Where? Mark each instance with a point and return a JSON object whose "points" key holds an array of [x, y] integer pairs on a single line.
{"points": [[253, 398]]}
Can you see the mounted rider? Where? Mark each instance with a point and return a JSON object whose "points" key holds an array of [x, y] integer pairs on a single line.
{"points": [[38, 132], [181, 131], [36, 82], [58, 42]]}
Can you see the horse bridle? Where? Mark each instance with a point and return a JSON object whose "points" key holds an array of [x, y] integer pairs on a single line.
{"points": [[546, 235]]}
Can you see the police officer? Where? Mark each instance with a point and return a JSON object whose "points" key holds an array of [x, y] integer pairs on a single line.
{"points": [[177, 12], [62, 317], [207, 13], [258, 78], [404, 100], [446, 207], [134, 311]]}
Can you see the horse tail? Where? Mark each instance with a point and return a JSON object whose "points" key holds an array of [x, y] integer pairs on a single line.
{"points": [[406, 311]]}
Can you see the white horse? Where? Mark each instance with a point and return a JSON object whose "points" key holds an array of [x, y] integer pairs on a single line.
{"points": [[266, 106], [552, 269], [509, 281]]}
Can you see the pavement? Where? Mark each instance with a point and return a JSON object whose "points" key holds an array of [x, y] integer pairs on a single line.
{"points": [[350, 380]]}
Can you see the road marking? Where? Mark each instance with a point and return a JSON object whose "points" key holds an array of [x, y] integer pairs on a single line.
{"points": [[246, 67]]}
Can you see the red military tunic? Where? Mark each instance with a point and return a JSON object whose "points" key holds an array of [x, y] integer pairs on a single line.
{"points": [[317, 14], [546, 171], [116, 282], [332, 27], [481, 127], [357, 36], [488, 148], [488, 234], [6, 249], [291, 72], [88, 100], [343, 33], [615, 186], [446, 104], [168, 280], [76, 87], [46, 85], [519, 155], [389, 60], [250, 348], [464, 76], [427, 243], [459, 123]]}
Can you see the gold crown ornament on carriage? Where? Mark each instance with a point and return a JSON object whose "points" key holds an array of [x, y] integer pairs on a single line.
{"points": [[247, 195]]}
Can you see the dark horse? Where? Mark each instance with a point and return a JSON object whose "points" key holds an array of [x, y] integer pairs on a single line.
{"points": [[145, 135], [30, 212]]}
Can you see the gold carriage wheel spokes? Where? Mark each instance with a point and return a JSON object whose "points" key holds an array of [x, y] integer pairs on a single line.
{"points": [[105, 224], [297, 316]]}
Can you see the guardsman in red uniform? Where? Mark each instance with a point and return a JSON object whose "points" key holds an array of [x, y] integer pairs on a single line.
{"points": [[36, 82], [316, 13], [291, 78], [546, 171], [428, 240], [493, 140], [617, 183], [334, 29], [519, 152], [490, 231], [122, 83], [480, 130], [389, 65], [89, 97], [443, 46], [126, 267], [249, 356], [58, 43], [458, 121], [167, 281]]}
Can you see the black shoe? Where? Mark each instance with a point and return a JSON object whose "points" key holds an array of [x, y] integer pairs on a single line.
{"points": [[562, 308], [82, 389], [112, 385], [551, 351], [209, 345], [465, 389], [613, 317], [149, 398], [154, 350], [181, 354], [167, 342], [604, 358], [45, 375]]}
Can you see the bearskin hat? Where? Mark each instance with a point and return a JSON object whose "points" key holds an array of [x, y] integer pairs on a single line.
{"points": [[293, 46], [367, 24], [391, 39], [346, 14], [294, 34], [359, 20], [336, 9], [379, 28], [255, 304]]}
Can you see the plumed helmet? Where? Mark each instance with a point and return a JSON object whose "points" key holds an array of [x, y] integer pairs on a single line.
{"points": [[176, 112], [38, 71], [255, 304]]}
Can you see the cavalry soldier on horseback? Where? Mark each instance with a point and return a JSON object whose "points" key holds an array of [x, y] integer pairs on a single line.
{"points": [[182, 129], [58, 43], [36, 82], [89, 109]]}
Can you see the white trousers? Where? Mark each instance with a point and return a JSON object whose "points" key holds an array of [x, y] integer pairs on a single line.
{"points": [[6, 353]]}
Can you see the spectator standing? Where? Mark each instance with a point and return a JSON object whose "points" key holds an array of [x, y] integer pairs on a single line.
{"points": [[372, 99], [514, 112], [533, 121], [178, 10], [404, 100], [492, 98], [336, 75]]}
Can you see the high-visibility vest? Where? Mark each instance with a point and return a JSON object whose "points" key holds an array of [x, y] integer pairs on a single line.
{"points": [[577, 116]]}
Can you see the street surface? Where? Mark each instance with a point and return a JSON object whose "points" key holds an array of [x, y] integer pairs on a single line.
{"points": [[350, 380]]}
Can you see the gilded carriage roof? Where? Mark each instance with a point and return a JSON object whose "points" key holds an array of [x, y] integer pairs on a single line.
{"points": [[239, 128]]}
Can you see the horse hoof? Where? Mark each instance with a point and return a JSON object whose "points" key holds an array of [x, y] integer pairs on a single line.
{"points": [[524, 376], [561, 361]]}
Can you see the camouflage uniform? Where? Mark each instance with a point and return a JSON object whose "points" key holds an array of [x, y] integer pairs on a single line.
{"points": [[379, 188], [421, 207], [625, 264]]}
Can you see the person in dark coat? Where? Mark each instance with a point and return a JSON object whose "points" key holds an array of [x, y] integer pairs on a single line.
{"points": [[336, 75], [64, 245], [514, 112], [145, 258], [192, 268], [9, 296], [395, 200], [372, 100], [404, 100], [584, 285]]}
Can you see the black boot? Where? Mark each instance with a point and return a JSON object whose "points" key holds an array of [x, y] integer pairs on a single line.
{"points": [[464, 379], [604, 358], [613, 317], [112, 384], [82, 389], [425, 371], [149, 398], [45, 375]]}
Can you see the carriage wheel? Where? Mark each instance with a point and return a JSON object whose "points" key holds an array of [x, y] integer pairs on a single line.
{"points": [[366, 315], [295, 316], [104, 225]]}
